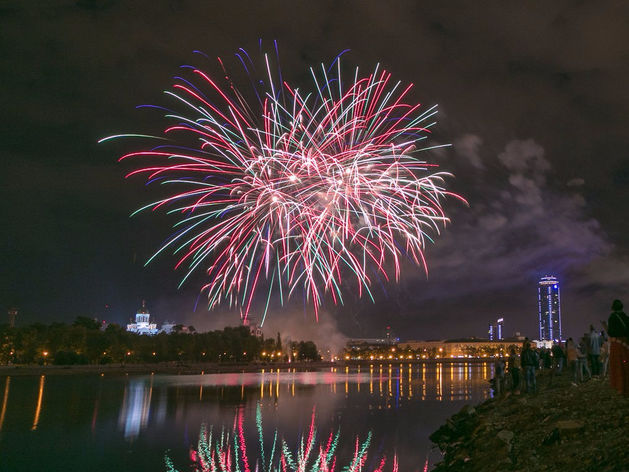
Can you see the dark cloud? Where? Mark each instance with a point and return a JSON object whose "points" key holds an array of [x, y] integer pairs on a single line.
{"points": [[576, 182], [518, 227], [468, 147]]}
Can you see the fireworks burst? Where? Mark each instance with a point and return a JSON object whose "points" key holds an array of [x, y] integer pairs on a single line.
{"points": [[227, 452], [307, 192]]}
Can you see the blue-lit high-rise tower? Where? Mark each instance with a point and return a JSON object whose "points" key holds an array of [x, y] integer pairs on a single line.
{"points": [[549, 302]]}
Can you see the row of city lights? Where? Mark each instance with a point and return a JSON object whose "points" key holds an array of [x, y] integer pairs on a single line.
{"points": [[128, 353], [423, 356], [347, 356]]}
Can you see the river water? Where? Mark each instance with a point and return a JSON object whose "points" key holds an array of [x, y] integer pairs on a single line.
{"points": [[128, 423]]}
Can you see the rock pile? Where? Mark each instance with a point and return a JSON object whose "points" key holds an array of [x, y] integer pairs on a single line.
{"points": [[561, 428]]}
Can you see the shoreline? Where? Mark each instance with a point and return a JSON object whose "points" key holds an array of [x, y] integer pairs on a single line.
{"points": [[172, 368], [159, 368], [564, 426]]}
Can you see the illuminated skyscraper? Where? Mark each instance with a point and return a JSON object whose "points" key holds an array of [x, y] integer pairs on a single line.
{"points": [[549, 302], [495, 330], [500, 322]]}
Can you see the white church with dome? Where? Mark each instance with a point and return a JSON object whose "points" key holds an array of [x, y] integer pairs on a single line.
{"points": [[142, 323]]}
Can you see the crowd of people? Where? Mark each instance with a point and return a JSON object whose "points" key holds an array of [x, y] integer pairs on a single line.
{"points": [[597, 354]]}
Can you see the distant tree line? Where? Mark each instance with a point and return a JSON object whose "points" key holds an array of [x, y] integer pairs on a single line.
{"points": [[84, 342]]}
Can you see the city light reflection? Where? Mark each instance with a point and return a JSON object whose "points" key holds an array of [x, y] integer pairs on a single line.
{"points": [[5, 399], [136, 407], [396, 387], [40, 397]]}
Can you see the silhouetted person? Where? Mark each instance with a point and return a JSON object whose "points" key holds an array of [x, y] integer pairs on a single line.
{"points": [[582, 359], [558, 357], [514, 369], [499, 376], [572, 356], [618, 331], [604, 353], [594, 351], [546, 359], [530, 362]]}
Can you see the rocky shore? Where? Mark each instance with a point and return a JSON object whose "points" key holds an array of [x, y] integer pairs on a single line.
{"points": [[562, 427]]}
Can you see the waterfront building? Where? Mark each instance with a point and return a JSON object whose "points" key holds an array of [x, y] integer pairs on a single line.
{"points": [[464, 347], [378, 349], [542, 344], [500, 328], [142, 323], [549, 309], [369, 343], [490, 331]]}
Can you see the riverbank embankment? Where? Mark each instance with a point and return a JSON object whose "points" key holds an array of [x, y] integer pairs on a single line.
{"points": [[562, 427], [166, 368]]}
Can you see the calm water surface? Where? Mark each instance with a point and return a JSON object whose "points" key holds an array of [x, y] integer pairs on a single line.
{"points": [[127, 423]]}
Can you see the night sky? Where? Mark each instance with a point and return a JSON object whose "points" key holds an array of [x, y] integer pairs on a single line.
{"points": [[535, 100]]}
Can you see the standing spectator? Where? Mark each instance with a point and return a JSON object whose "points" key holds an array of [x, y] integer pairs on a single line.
{"points": [[545, 359], [530, 362], [604, 354], [499, 376], [558, 357], [514, 370], [571, 357], [595, 351], [582, 359], [618, 331]]}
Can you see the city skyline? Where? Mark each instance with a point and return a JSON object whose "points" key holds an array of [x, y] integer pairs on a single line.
{"points": [[142, 322], [548, 316]]}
